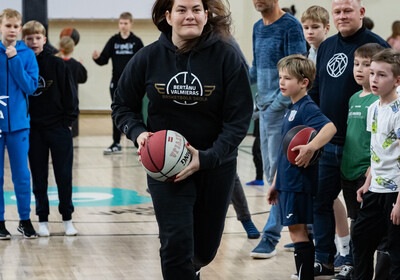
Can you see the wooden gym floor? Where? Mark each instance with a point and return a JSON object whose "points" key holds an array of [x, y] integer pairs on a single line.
{"points": [[120, 242]]}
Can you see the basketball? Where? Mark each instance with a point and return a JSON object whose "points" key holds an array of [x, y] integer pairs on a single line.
{"points": [[164, 155], [299, 135]]}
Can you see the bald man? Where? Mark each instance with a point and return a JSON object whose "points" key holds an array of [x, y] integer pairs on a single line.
{"points": [[333, 87]]}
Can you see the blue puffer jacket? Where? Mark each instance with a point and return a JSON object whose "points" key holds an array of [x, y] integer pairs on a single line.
{"points": [[18, 79]]}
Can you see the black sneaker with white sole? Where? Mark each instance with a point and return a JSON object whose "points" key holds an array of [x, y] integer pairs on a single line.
{"points": [[346, 273], [4, 234], [113, 149], [25, 227], [323, 271]]}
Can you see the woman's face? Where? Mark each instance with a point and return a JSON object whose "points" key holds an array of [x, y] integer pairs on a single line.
{"points": [[187, 18]]}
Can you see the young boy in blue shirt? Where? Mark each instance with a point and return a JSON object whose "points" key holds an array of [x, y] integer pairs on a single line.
{"points": [[379, 215], [18, 79], [295, 184]]}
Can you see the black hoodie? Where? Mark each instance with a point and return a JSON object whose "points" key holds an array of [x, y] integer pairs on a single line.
{"points": [[55, 102], [205, 95]]}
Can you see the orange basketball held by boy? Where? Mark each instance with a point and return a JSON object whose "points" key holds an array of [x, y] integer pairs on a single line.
{"points": [[164, 155], [299, 135]]}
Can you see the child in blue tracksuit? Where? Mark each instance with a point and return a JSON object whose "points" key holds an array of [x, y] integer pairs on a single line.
{"points": [[18, 79]]}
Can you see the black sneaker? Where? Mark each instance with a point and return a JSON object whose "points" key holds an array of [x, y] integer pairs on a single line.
{"points": [[323, 271], [346, 273], [113, 149], [4, 234], [25, 227]]}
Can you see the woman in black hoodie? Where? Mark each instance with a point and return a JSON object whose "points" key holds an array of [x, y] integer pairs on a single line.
{"points": [[198, 86]]}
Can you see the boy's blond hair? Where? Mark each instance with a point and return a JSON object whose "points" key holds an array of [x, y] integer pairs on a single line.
{"points": [[10, 13], [126, 15], [300, 67], [368, 50], [391, 57], [33, 27], [316, 13], [65, 46]]}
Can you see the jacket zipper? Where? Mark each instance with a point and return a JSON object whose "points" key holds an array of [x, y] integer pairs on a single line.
{"points": [[8, 107]]}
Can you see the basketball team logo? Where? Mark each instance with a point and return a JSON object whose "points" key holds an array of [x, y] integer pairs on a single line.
{"points": [[185, 89], [292, 115], [337, 65], [42, 86]]}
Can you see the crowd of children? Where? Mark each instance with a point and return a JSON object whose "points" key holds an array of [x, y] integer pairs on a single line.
{"points": [[40, 93]]}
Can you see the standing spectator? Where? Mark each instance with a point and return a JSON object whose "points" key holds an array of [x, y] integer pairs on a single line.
{"points": [[276, 35], [78, 71], [394, 39], [120, 48], [379, 215], [53, 108], [18, 79], [333, 87], [212, 109]]}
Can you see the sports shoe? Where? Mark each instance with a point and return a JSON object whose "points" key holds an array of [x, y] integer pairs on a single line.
{"points": [[322, 271], [289, 247], [255, 183], [341, 261], [44, 229], [346, 273], [69, 228], [4, 234], [264, 250], [25, 227], [113, 149], [251, 230]]}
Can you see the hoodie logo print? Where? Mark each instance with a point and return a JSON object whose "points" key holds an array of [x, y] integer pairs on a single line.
{"points": [[337, 64], [43, 86], [185, 90]]}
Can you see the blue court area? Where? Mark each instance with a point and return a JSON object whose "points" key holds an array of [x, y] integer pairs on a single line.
{"points": [[90, 197]]}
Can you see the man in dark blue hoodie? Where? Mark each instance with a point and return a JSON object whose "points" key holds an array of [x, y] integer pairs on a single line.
{"points": [[18, 79]]}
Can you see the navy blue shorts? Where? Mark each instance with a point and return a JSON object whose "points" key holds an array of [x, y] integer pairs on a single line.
{"points": [[296, 208]]}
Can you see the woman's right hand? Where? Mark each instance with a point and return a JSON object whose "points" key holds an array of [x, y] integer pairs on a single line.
{"points": [[141, 139]]}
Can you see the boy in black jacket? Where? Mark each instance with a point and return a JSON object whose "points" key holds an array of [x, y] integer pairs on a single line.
{"points": [[53, 108], [120, 48]]}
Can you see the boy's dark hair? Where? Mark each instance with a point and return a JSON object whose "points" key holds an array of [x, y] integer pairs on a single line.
{"points": [[368, 50], [391, 57], [300, 67], [126, 15], [316, 13], [368, 23]]}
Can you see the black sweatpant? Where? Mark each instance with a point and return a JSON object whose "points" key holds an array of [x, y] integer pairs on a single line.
{"points": [[372, 225], [116, 132], [256, 150], [58, 141], [191, 216]]}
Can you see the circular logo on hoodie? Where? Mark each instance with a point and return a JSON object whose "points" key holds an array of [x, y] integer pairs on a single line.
{"points": [[185, 88], [337, 64]]}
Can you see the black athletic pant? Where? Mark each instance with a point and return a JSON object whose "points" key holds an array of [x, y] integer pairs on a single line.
{"points": [[256, 150], [116, 132], [58, 141], [191, 216], [372, 225]]}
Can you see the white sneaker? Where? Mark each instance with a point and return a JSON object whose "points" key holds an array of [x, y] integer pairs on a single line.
{"points": [[44, 229], [69, 228]]}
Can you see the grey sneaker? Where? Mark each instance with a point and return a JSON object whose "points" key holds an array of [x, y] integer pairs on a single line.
{"points": [[264, 250], [113, 149]]}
